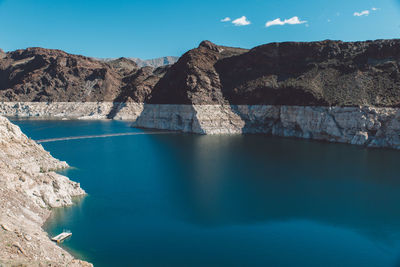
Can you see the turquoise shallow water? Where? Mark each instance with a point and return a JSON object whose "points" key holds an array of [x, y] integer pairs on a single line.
{"points": [[188, 200]]}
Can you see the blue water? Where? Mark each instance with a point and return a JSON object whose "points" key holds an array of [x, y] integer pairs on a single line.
{"points": [[188, 200]]}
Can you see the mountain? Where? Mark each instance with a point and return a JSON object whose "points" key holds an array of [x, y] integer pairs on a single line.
{"points": [[155, 62], [38, 74], [335, 91], [325, 73]]}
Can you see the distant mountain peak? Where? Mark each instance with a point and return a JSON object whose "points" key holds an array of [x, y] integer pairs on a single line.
{"points": [[155, 62]]}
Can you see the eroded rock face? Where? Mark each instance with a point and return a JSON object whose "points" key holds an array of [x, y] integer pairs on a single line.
{"points": [[327, 73], [140, 84], [329, 90], [46, 75], [194, 79], [371, 127], [72, 110], [29, 187]]}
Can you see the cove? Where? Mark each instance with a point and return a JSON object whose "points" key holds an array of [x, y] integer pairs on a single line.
{"points": [[192, 200]]}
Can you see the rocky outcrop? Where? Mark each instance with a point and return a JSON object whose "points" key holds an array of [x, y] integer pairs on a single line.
{"points": [[140, 84], [46, 75], [72, 110], [367, 126], [194, 79], [371, 127], [216, 89], [37, 74], [29, 188], [327, 73]]}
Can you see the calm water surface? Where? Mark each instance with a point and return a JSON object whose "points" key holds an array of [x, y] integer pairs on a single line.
{"points": [[188, 200]]}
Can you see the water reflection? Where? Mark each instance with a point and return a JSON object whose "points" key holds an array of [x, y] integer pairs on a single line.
{"points": [[243, 180]]}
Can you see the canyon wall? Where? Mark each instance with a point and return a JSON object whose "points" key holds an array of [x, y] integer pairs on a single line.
{"points": [[327, 90], [367, 126], [29, 189], [371, 127]]}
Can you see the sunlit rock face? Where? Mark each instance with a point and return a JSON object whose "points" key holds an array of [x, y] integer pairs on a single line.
{"points": [[329, 90], [372, 127], [325, 73], [29, 188]]}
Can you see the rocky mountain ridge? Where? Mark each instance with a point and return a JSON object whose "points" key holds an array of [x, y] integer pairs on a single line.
{"points": [[154, 62], [324, 73], [47, 75], [329, 90]]}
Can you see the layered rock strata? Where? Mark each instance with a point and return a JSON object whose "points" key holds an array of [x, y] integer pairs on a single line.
{"points": [[372, 127], [72, 110], [29, 188], [367, 126], [328, 90]]}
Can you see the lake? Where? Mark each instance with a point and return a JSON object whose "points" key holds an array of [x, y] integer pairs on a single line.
{"points": [[254, 200]]}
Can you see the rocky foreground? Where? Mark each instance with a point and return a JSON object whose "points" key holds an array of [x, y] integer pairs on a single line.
{"points": [[29, 189], [335, 91]]}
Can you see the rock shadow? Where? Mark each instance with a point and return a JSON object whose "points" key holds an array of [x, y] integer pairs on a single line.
{"points": [[173, 117]]}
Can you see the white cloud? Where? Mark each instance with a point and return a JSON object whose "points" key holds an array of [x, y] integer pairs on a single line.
{"points": [[362, 13], [226, 19], [375, 9], [291, 21], [242, 21]]}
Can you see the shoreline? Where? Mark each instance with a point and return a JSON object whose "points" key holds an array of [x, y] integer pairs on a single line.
{"points": [[365, 126], [29, 192], [53, 217]]}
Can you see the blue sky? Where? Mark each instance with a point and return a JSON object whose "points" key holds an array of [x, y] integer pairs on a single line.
{"points": [[155, 28]]}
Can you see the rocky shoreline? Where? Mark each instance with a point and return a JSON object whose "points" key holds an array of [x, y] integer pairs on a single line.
{"points": [[366, 126], [346, 92], [29, 189]]}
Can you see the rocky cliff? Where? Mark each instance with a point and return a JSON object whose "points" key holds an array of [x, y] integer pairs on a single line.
{"points": [[46, 75], [216, 89], [29, 188], [327, 73]]}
